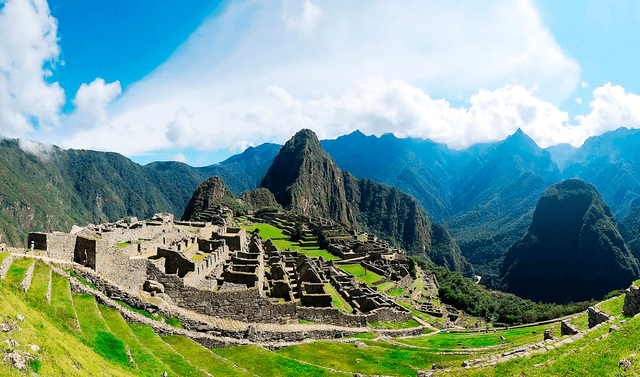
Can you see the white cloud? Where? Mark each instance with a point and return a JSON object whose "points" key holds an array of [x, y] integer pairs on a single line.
{"points": [[28, 52], [611, 108], [579, 100], [40, 150], [179, 157], [248, 76], [91, 102], [305, 22], [584, 85]]}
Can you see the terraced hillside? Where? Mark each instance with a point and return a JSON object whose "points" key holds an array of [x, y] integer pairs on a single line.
{"points": [[55, 331]]}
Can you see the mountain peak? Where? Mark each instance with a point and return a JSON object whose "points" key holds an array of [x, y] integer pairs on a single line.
{"points": [[519, 142]]}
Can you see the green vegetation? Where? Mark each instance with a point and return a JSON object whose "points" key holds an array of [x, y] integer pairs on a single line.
{"points": [[457, 340], [385, 286], [157, 317], [377, 358], [17, 271], [613, 306], [364, 335], [396, 292], [202, 358], [395, 325], [365, 276], [95, 333], [163, 351], [495, 306], [82, 280], [264, 363], [338, 301]]}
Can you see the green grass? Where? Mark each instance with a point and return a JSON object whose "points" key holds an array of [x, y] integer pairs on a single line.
{"points": [[198, 257], [445, 340], [396, 292], [365, 335], [162, 351], [267, 231], [17, 271], [157, 317], [385, 286], [122, 244], [374, 359], [338, 301], [147, 363], [37, 294], [82, 280], [395, 325], [584, 357], [613, 306], [2, 256], [359, 272], [265, 363], [95, 333], [202, 357], [61, 353]]}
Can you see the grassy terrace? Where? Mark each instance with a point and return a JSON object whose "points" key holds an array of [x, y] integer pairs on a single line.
{"points": [[377, 358], [452, 340], [338, 301], [163, 351], [264, 363], [17, 271], [203, 358], [310, 248], [367, 277]]}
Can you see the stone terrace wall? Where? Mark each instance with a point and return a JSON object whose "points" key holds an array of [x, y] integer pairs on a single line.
{"points": [[334, 316], [60, 246], [244, 305]]}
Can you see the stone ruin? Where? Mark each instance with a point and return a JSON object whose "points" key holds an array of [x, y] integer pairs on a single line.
{"points": [[631, 305], [597, 316], [220, 271]]}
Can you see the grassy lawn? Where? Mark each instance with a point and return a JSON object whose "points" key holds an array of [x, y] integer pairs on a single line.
{"points": [[338, 301], [202, 357], [390, 360], [37, 293], [396, 292], [581, 321], [162, 351], [266, 231], [261, 362], [147, 363], [2, 256], [61, 353], [395, 325], [584, 357], [96, 334], [365, 335], [17, 271], [61, 309], [613, 306], [358, 271], [480, 339], [385, 286], [310, 251]]}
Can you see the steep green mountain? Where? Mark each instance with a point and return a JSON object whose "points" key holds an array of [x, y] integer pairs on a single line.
{"points": [[305, 179], [561, 153], [611, 163], [572, 250], [58, 188], [629, 227]]}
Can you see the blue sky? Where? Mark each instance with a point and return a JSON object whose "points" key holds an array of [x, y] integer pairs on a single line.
{"points": [[197, 82]]}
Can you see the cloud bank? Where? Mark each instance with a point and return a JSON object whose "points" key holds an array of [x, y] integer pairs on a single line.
{"points": [[262, 70]]}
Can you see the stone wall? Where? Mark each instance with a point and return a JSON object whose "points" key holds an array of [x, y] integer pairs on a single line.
{"points": [[336, 317], [631, 305], [60, 246], [596, 316], [243, 304], [128, 272]]}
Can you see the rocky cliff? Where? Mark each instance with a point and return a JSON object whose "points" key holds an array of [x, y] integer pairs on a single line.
{"points": [[304, 179], [209, 193], [571, 251]]}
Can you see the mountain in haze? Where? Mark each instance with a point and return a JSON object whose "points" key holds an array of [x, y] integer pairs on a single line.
{"points": [[610, 162], [494, 196], [303, 178], [572, 250], [59, 188], [629, 227], [561, 153], [418, 167]]}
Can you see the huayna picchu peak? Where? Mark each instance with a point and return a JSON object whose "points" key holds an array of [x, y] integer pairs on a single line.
{"points": [[305, 179], [572, 250]]}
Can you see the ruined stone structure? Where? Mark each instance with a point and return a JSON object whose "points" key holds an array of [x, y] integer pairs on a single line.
{"points": [[223, 272]]}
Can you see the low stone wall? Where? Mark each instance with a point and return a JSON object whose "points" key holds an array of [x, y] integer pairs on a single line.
{"points": [[596, 316]]}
